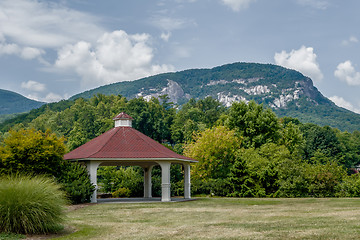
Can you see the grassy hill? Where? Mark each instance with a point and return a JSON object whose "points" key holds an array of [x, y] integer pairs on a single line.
{"points": [[11, 102]]}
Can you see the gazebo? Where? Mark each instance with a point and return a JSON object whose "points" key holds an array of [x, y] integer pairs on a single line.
{"points": [[125, 146]]}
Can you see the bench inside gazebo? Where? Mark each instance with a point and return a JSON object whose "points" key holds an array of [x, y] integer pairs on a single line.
{"points": [[125, 146]]}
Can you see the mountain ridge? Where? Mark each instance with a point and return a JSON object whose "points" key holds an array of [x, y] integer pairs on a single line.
{"points": [[12, 102], [287, 92]]}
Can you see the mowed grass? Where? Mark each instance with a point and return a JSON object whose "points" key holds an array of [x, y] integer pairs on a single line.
{"points": [[219, 218]]}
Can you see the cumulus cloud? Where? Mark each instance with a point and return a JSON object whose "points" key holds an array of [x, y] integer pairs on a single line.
{"points": [[341, 102], [33, 86], [346, 72], [23, 52], [42, 24], [303, 60], [237, 5], [318, 4], [116, 56]]}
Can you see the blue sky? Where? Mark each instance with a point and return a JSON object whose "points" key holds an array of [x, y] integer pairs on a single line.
{"points": [[51, 50]]}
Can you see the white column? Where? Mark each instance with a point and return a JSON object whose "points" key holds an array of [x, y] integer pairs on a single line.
{"points": [[165, 181], [187, 183], [92, 169], [147, 182]]}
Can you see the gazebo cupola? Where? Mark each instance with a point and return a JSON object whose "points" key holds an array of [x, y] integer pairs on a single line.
{"points": [[123, 120]]}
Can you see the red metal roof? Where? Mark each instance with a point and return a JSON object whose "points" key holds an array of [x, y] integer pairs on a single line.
{"points": [[123, 143], [122, 115]]}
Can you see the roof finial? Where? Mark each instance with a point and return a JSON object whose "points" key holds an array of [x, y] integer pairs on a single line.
{"points": [[123, 120]]}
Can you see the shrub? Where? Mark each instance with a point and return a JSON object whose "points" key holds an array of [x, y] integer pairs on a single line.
{"points": [[112, 178], [30, 205], [32, 152], [122, 192], [349, 187], [212, 187], [75, 181]]}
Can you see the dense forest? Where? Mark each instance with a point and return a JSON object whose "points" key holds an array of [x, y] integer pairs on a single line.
{"points": [[243, 151]]}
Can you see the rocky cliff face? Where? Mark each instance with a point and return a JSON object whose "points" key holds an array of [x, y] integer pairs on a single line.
{"points": [[269, 93]]}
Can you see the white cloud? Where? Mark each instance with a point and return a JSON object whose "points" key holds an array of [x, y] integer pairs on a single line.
{"points": [[25, 53], [31, 53], [165, 36], [351, 39], [9, 49], [42, 24], [303, 60], [341, 102], [319, 4], [237, 5], [116, 56], [33, 86], [50, 97], [169, 24], [346, 72]]}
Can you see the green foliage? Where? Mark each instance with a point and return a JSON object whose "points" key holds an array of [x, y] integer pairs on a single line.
{"points": [[212, 187], [113, 178], [195, 116], [26, 118], [215, 150], [254, 123], [256, 171], [30, 151], [75, 181], [320, 139], [349, 187], [292, 138], [302, 179], [323, 178], [11, 236], [30, 205], [121, 192]]}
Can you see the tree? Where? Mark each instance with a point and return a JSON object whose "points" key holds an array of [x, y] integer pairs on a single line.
{"points": [[320, 140], [256, 171], [31, 151], [215, 150], [195, 116], [292, 138], [254, 123]]}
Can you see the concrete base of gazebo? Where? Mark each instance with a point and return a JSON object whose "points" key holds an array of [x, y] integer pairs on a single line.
{"points": [[141, 200]]}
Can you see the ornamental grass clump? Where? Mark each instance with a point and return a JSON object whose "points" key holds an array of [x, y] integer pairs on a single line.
{"points": [[30, 205]]}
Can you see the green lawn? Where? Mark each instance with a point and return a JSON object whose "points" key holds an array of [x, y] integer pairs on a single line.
{"points": [[219, 218]]}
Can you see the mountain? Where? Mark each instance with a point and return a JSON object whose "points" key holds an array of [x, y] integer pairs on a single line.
{"points": [[11, 102], [287, 92]]}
